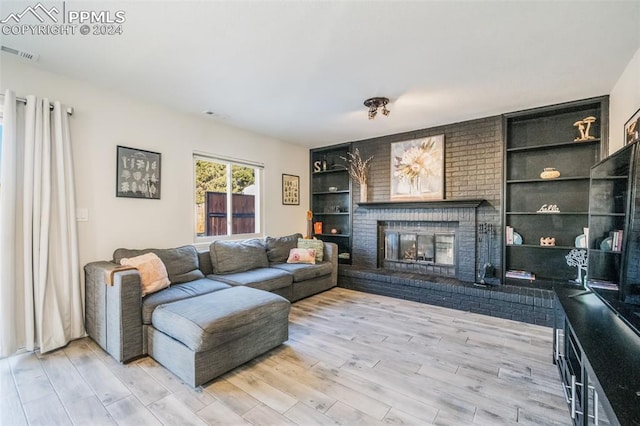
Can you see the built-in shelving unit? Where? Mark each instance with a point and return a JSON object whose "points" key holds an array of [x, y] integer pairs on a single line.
{"points": [[549, 138], [331, 198]]}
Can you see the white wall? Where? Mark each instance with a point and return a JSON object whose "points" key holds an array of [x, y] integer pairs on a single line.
{"points": [[103, 119], [624, 100]]}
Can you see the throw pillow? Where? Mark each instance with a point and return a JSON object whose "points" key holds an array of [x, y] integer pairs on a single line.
{"points": [[300, 255], [153, 274], [182, 263], [317, 245], [278, 248]]}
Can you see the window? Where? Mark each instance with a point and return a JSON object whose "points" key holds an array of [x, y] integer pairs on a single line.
{"points": [[227, 198]]}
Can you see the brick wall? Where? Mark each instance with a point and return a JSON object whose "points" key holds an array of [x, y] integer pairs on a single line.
{"points": [[473, 169]]}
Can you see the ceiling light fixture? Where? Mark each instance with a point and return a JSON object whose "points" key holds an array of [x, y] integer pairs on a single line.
{"points": [[376, 103]]}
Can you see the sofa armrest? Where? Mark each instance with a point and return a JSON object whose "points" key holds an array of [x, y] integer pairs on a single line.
{"points": [[331, 255], [113, 316]]}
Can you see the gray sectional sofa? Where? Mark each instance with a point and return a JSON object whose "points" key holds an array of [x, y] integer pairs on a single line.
{"points": [[224, 306]]}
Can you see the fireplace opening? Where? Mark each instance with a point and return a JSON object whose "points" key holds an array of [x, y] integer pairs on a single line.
{"points": [[422, 247], [411, 247]]}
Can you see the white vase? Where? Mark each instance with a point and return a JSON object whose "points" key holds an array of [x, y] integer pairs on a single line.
{"points": [[363, 192]]}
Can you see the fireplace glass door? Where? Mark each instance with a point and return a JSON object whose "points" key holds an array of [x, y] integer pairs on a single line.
{"points": [[425, 248], [444, 249], [408, 247], [403, 246]]}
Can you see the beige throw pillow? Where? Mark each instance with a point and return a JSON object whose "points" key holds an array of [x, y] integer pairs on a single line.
{"points": [[153, 274], [317, 245], [299, 255]]}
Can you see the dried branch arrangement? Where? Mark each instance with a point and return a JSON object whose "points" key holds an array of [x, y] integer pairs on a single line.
{"points": [[357, 167]]}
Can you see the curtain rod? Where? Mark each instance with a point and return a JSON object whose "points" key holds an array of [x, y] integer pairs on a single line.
{"points": [[24, 101]]}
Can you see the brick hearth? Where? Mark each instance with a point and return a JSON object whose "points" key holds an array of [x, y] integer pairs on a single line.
{"points": [[531, 305]]}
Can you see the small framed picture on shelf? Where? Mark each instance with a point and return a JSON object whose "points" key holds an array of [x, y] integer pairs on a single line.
{"points": [[290, 190], [632, 128]]}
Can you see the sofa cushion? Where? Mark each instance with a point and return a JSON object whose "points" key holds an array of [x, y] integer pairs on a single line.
{"points": [[317, 245], [302, 255], [204, 259], [278, 248], [268, 279], [207, 321], [181, 262], [230, 257], [178, 292], [153, 274], [303, 272]]}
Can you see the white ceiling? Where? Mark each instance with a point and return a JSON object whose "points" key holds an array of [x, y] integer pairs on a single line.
{"points": [[300, 70]]}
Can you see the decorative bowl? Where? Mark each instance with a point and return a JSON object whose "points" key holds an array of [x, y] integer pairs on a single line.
{"points": [[606, 244], [549, 173], [517, 239], [333, 188]]}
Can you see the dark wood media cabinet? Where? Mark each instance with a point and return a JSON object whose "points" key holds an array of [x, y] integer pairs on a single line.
{"points": [[598, 357]]}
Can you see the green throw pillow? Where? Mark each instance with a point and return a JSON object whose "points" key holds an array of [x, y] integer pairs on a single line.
{"points": [[318, 245]]}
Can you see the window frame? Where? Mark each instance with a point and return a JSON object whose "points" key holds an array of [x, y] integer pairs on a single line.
{"points": [[259, 197]]}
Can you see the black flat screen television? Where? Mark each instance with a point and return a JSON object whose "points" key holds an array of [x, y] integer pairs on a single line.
{"points": [[613, 270]]}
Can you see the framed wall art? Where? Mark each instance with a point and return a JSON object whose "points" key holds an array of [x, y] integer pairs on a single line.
{"points": [[632, 128], [417, 169], [138, 173], [290, 190]]}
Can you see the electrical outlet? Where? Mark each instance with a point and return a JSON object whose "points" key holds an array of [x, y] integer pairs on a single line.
{"points": [[82, 215]]}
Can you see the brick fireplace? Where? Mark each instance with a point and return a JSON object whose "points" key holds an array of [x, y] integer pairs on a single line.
{"points": [[473, 170], [428, 280], [433, 225]]}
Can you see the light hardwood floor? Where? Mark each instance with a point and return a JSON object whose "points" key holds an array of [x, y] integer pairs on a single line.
{"points": [[352, 358]]}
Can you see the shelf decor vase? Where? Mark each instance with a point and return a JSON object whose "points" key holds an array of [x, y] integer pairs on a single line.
{"points": [[363, 192]]}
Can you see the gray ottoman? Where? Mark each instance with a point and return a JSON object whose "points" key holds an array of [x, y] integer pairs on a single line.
{"points": [[203, 337]]}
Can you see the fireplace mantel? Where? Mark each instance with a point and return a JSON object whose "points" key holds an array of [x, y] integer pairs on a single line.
{"points": [[436, 204]]}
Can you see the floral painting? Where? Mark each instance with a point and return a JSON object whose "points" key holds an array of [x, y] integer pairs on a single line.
{"points": [[138, 173], [417, 169]]}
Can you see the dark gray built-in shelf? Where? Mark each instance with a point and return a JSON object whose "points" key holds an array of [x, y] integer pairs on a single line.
{"points": [[330, 201], [536, 140]]}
